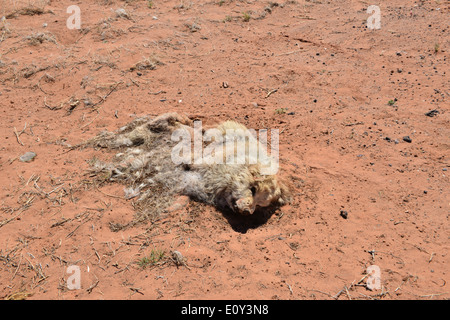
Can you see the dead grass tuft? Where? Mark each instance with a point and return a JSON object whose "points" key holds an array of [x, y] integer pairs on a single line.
{"points": [[40, 37], [149, 63]]}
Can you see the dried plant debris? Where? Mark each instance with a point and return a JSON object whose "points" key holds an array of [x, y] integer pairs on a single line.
{"points": [[27, 11], [40, 37], [149, 63]]}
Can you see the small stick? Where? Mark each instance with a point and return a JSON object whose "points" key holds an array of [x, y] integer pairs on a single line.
{"points": [[433, 294], [2, 223], [336, 296], [17, 269], [158, 92], [290, 289], [431, 257], [136, 290], [109, 195], [270, 92], [372, 252], [71, 233], [321, 292], [106, 96], [18, 135], [90, 121], [288, 53], [134, 82], [367, 296], [348, 294], [89, 290]]}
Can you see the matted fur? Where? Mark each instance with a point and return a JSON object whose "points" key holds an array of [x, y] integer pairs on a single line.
{"points": [[143, 162]]}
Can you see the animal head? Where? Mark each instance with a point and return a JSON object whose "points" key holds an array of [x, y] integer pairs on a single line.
{"points": [[261, 191]]}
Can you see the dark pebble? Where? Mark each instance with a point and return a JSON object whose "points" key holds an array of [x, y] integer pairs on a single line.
{"points": [[344, 214], [432, 113], [407, 139]]}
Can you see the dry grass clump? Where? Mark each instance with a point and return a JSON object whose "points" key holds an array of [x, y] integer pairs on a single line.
{"points": [[4, 29], [149, 63], [29, 11], [37, 38], [15, 8]]}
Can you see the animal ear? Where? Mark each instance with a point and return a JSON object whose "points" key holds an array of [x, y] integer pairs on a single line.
{"points": [[285, 193], [255, 172]]}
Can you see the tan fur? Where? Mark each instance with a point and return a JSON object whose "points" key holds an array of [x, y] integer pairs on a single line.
{"points": [[146, 159]]}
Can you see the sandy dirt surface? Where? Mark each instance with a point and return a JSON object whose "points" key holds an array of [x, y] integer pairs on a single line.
{"points": [[350, 104]]}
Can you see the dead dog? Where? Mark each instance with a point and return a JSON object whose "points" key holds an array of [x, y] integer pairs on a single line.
{"points": [[148, 161]]}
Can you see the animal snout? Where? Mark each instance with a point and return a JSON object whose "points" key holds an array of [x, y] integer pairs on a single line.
{"points": [[245, 206]]}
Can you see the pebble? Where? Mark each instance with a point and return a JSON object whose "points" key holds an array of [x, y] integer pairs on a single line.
{"points": [[122, 13], [27, 156], [178, 258], [407, 139], [432, 113], [344, 214]]}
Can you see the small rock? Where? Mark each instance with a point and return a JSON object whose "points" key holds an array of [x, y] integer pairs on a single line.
{"points": [[432, 113], [27, 156], [344, 214], [178, 258], [407, 139], [122, 13]]}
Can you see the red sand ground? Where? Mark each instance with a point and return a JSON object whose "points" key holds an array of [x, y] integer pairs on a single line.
{"points": [[334, 78]]}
